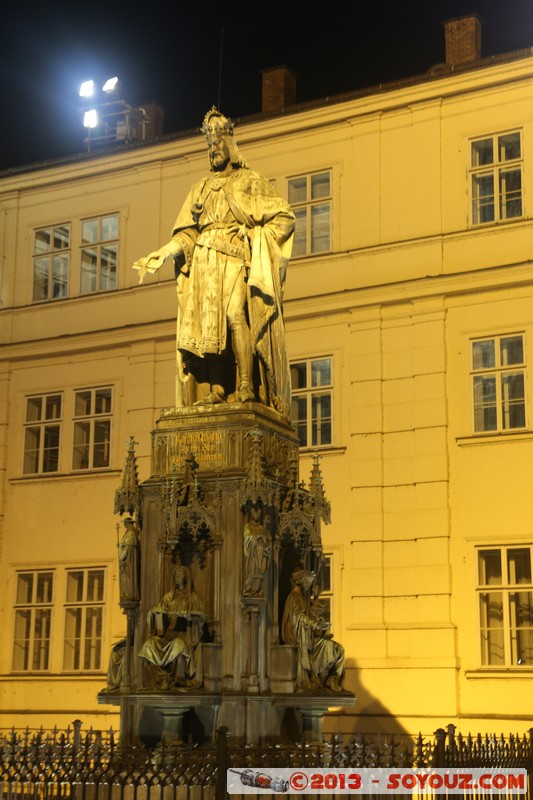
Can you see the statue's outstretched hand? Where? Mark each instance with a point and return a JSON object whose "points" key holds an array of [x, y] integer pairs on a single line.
{"points": [[150, 263]]}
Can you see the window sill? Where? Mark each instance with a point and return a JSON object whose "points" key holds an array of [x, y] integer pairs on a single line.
{"points": [[307, 256], [66, 475], [476, 226], [54, 676], [499, 672], [52, 300], [325, 450], [491, 437]]}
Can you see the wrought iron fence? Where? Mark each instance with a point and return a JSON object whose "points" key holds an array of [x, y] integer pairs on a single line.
{"points": [[90, 765]]}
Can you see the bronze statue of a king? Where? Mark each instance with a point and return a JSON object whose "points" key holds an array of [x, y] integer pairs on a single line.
{"points": [[215, 634], [231, 243]]}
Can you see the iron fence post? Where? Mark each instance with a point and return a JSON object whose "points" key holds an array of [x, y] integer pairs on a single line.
{"points": [[221, 792], [439, 752], [77, 735]]}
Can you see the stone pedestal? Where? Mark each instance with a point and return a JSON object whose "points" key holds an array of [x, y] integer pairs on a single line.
{"points": [[224, 481]]}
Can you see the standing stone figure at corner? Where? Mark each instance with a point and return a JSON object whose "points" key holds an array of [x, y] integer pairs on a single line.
{"points": [[128, 562], [231, 243]]}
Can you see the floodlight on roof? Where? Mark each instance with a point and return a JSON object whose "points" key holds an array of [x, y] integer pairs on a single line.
{"points": [[87, 89], [110, 85], [90, 118]]}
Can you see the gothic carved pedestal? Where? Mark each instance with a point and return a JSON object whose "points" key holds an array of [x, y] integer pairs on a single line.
{"points": [[225, 501]]}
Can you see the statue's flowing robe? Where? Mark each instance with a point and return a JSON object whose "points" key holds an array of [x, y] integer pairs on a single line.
{"points": [[128, 560], [256, 556], [318, 657], [184, 621], [228, 224]]}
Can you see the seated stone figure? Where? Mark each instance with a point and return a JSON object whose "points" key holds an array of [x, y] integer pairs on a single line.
{"points": [[320, 658], [177, 624]]}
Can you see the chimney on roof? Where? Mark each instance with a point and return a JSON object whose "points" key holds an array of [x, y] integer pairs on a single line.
{"points": [[279, 88], [153, 121], [463, 39]]}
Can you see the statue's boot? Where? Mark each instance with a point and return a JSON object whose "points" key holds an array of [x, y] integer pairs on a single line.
{"points": [[245, 393], [242, 349], [215, 396]]}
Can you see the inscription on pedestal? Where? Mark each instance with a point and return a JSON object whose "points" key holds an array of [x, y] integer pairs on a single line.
{"points": [[172, 448], [218, 441], [208, 447]]}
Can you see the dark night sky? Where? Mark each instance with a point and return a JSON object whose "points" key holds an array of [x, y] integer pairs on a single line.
{"points": [[170, 52]]}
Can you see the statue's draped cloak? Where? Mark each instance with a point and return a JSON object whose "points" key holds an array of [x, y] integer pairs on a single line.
{"points": [[316, 656], [231, 223], [128, 560], [256, 556], [175, 645]]}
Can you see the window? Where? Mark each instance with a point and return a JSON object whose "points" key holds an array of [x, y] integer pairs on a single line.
{"points": [[496, 175], [97, 239], [498, 374], [99, 252], [33, 617], [51, 256], [87, 443], [310, 198], [38, 590], [92, 428], [42, 434], [84, 610], [505, 605], [311, 401], [326, 592]]}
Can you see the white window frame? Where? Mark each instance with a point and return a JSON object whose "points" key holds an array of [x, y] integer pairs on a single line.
{"points": [[81, 432], [505, 610], [96, 252], [33, 649], [84, 619], [494, 168], [87, 430], [42, 428], [330, 594], [54, 259], [306, 242], [505, 378], [304, 397], [56, 269], [326, 592]]}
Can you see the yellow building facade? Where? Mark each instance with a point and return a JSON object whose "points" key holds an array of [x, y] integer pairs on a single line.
{"points": [[409, 312]]}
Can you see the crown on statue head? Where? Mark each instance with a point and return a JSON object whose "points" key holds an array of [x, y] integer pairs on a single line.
{"points": [[216, 124]]}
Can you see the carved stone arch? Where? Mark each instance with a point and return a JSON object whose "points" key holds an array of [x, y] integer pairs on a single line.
{"points": [[194, 538], [297, 527]]}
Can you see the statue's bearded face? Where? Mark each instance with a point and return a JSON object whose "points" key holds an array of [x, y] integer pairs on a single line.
{"points": [[180, 579], [219, 153]]}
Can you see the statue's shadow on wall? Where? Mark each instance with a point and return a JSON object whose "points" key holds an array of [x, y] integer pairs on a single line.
{"points": [[368, 716]]}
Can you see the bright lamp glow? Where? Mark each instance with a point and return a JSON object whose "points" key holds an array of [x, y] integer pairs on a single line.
{"points": [[90, 118], [87, 89], [110, 85]]}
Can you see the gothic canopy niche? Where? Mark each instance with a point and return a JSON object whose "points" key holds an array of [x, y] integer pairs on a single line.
{"points": [[187, 523]]}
